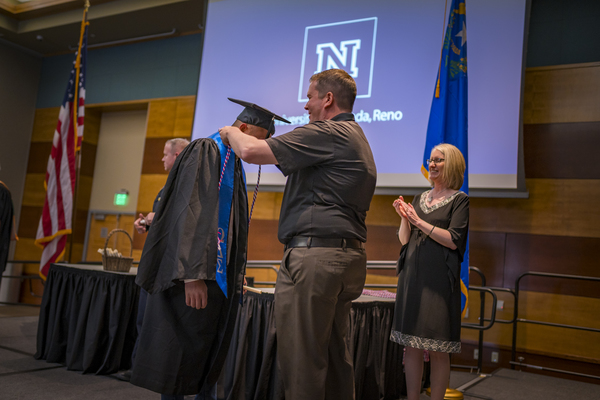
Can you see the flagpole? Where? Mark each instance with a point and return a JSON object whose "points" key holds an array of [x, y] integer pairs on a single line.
{"points": [[77, 148], [437, 84]]}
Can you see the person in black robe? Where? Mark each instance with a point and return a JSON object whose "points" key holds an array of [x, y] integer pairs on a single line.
{"points": [[190, 313], [7, 231]]}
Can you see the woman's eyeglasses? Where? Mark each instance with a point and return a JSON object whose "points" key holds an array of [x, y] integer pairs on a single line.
{"points": [[435, 160]]}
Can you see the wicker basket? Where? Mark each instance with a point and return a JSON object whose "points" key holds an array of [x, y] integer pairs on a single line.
{"points": [[117, 264]]}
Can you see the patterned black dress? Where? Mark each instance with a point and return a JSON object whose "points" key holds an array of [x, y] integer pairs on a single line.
{"points": [[427, 314]]}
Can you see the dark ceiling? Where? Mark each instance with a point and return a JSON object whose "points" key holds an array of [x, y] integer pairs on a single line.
{"points": [[50, 27]]}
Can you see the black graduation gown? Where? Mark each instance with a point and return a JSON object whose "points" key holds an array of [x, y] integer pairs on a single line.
{"points": [[6, 225], [181, 348]]}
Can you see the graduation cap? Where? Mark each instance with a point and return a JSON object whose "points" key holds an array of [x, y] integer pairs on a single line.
{"points": [[256, 115]]}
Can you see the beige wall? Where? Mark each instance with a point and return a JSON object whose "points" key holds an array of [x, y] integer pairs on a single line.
{"points": [[118, 160], [19, 77]]}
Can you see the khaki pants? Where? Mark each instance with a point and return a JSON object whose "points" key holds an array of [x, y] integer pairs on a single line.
{"points": [[313, 296]]}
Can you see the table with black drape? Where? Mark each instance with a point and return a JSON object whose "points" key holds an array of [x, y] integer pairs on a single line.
{"points": [[87, 318], [87, 323], [250, 372]]}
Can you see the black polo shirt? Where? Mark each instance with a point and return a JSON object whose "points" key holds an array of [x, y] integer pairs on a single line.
{"points": [[331, 179]]}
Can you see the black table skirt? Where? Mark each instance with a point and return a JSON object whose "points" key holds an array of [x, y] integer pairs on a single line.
{"points": [[87, 323], [250, 371], [87, 319]]}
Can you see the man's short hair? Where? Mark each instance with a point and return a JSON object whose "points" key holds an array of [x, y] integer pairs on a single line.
{"points": [[177, 144], [338, 82]]}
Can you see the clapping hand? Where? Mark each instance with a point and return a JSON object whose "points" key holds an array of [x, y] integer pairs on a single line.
{"points": [[400, 206], [406, 210]]}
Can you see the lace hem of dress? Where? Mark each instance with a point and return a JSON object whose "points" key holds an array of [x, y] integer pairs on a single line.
{"points": [[426, 209], [443, 346]]}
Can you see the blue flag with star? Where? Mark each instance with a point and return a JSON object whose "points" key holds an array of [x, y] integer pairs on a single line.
{"points": [[448, 117]]}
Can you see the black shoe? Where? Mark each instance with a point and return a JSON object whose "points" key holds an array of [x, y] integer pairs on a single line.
{"points": [[123, 375]]}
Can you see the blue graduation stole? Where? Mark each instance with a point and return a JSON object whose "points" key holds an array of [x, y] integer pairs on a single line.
{"points": [[225, 202]]}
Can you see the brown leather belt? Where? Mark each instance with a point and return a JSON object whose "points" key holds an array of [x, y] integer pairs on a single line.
{"points": [[309, 241]]}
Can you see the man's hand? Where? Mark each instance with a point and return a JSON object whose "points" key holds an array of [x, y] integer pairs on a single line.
{"points": [[224, 131], [196, 294], [142, 222]]}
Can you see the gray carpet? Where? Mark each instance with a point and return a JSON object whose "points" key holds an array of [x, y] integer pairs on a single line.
{"points": [[24, 378], [507, 384]]}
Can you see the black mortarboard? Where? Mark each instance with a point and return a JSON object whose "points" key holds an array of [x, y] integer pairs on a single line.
{"points": [[256, 115]]}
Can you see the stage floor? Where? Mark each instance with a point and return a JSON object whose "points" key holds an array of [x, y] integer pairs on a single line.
{"points": [[22, 377]]}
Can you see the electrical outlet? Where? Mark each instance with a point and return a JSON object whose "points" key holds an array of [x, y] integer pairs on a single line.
{"points": [[494, 356], [500, 305], [476, 354]]}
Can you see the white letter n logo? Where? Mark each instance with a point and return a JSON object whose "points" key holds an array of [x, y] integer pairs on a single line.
{"points": [[341, 55]]}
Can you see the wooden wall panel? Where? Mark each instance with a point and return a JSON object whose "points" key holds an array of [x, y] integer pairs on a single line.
{"points": [[117, 241], [161, 118], [79, 225], [262, 240], [27, 250], [44, 124], [76, 255], [138, 239], [153, 154], [267, 206], [382, 243], [29, 221], [560, 151], [171, 117], [34, 192], [38, 157], [167, 119], [566, 93], [150, 185], [84, 192], [381, 211], [553, 254], [137, 255], [88, 159], [33, 296], [184, 117], [91, 127], [486, 252], [553, 341], [559, 207], [262, 275]]}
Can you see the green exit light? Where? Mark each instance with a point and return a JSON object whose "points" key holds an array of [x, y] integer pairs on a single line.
{"points": [[121, 199]]}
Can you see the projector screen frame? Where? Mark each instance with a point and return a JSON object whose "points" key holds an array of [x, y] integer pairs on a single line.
{"points": [[519, 192]]}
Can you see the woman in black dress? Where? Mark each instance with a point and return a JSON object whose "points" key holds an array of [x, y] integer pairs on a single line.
{"points": [[434, 230]]}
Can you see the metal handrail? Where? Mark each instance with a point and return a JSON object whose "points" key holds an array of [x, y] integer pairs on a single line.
{"points": [[480, 326], [270, 264], [29, 278], [517, 319], [505, 290], [481, 316]]}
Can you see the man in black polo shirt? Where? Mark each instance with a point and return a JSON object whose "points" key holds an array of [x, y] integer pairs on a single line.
{"points": [[331, 179]]}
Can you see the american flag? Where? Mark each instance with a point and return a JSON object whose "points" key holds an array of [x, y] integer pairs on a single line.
{"points": [[56, 220]]}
